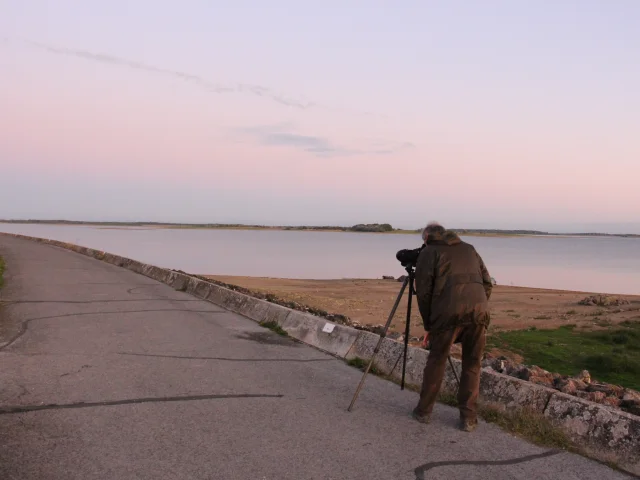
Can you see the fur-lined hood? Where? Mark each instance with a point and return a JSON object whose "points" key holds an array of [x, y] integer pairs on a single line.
{"points": [[447, 238]]}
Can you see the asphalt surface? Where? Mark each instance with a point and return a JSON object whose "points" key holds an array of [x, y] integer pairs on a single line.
{"points": [[106, 374]]}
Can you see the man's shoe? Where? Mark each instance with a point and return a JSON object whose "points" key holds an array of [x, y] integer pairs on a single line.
{"points": [[421, 418], [468, 425]]}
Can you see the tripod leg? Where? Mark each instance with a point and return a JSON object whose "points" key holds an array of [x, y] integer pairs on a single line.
{"points": [[407, 329], [382, 336]]}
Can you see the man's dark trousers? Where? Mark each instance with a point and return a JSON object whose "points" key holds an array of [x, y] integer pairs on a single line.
{"points": [[473, 342]]}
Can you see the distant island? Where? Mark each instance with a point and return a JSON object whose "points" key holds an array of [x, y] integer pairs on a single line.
{"points": [[362, 227]]}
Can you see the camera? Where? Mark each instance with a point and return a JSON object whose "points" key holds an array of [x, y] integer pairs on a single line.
{"points": [[407, 257]]}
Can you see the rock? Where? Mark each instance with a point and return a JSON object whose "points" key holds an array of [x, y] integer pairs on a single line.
{"points": [[630, 395], [503, 365], [571, 386], [631, 406], [489, 362], [597, 397], [547, 381], [603, 301], [388, 277], [401, 278], [612, 401], [395, 336], [606, 388], [580, 385], [536, 375], [583, 376], [599, 428], [378, 329]]}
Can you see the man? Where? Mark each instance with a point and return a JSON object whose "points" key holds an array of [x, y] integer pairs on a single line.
{"points": [[453, 287]]}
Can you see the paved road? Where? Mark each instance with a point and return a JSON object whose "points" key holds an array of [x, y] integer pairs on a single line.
{"points": [[107, 374]]}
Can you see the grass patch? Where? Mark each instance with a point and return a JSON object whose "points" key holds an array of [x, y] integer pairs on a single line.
{"points": [[274, 327], [611, 356], [528, 425], [447, 398], [524, 423], [361, 364], [2, 267]]}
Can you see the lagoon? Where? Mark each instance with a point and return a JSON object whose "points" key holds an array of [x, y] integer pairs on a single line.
{"points": [[591, 264]]}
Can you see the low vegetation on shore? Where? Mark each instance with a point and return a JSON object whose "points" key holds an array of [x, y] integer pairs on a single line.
{"points": [[363, 227], [610, 355]]}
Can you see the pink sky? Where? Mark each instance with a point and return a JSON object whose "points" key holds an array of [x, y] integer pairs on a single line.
{"points": [[484, 130]]}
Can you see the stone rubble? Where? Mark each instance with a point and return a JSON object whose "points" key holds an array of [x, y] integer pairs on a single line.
{"points": [[581, 385], [603, 301]]}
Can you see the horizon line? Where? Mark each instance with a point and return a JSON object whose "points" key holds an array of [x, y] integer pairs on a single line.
{"points": [[514, 231]]}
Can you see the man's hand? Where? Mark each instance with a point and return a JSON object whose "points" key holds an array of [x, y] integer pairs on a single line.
{"points": [[486, 278]]}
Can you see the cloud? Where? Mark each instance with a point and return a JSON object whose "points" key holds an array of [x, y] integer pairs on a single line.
{"points": [[282, 135], [317, 145], [205, 84], [197, 80]]}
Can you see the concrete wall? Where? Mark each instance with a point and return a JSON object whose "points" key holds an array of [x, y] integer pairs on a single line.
{"points": [[606, 433]]}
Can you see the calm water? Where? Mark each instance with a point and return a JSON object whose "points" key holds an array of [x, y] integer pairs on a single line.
{"points": [[599, 264]]}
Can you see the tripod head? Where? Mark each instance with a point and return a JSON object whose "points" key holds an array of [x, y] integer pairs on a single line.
{"points": [[408, 258]]}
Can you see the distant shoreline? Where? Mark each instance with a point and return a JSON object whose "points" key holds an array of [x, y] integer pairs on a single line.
{"points": [[360, 228]]}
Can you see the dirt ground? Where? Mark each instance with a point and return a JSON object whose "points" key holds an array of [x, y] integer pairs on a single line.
{"points": [[369, 302]]}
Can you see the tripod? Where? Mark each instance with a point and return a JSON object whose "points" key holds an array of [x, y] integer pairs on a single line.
{"points": [[409, 280]]}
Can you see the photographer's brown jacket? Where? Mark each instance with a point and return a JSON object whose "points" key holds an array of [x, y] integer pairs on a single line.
{"points": [[453, 285]]}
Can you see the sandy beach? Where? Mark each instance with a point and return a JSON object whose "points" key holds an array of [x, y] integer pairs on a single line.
{"points": [[512, 308]]}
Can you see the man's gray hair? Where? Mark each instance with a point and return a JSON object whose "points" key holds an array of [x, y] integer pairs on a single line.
{"points": [[431, 228]]}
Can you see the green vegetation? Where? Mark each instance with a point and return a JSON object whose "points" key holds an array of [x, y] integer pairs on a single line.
{"points": [[611, 356], [361, 364], [375, 227], [524, 423], [274, 327], [528, 425], [2, 267]]}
